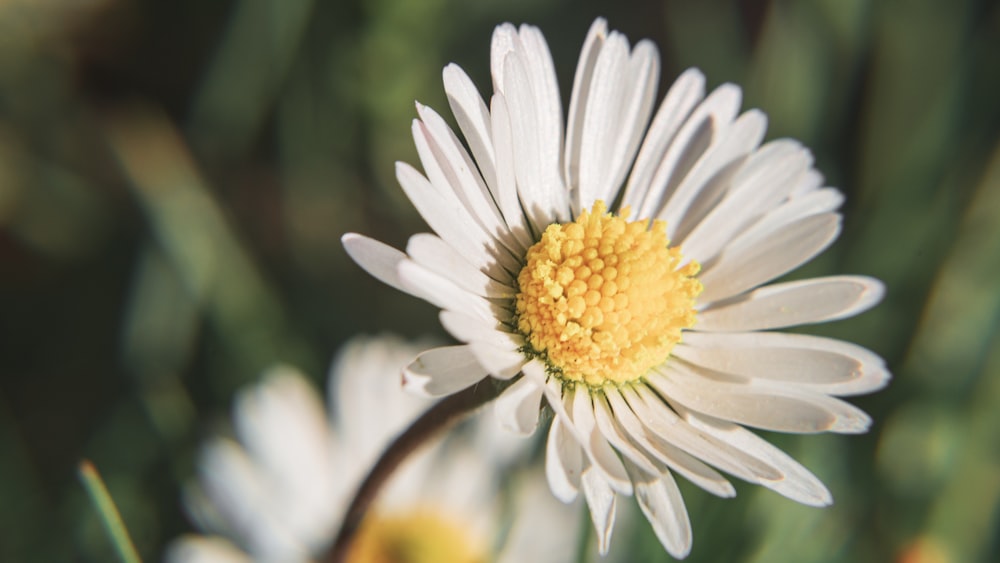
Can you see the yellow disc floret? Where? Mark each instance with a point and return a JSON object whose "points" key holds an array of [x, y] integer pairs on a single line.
{"points": [[418, 536], [604, 300]]}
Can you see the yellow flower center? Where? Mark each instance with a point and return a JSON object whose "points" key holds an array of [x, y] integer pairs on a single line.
{"points": [[603, 300], [420, 536]]}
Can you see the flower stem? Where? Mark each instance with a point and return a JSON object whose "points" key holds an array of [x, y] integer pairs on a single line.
{"points": [[110, 517], [443, 414]]}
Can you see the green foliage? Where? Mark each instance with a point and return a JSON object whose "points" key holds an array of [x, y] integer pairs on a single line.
{"points": [[175, 177]]}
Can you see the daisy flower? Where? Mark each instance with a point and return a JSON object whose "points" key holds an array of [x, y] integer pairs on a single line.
{"points": [[623, 271], [277, 493]]}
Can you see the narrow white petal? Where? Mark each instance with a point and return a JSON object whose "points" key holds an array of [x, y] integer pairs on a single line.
{"points": [[684, 94], [673, 457], [536, 185], [204, 549], [601, 500], [443, 371], [795, 481], [870, 380], [601, 120], [761, 184], [809, 183], [449, 218], [501, 362], [598, 450], [378, 259], [458, 185], [504, 41], [518, 406], [612, 432], [443, 292], [436, 255], [283, 424], [367, 406], [458, 172], [817, 201], [661, 502], [705, 126], [582, 81], [640, 90], [548, 105], [473, 118], [793, 303], [748, 263], [237, 489], [472, 329], [667, 426], [507, 190], [782, 408], [563, 462], [713, 175], [796, 358]]}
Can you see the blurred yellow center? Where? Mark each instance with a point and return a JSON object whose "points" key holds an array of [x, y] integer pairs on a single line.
{"points": [[603, 300], [421, 536]]}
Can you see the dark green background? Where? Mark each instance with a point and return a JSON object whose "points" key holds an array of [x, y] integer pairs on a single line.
{"points": [[175, 177]]}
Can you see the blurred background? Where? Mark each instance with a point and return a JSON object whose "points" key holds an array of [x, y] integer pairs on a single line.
{"points": [[175, 178]]}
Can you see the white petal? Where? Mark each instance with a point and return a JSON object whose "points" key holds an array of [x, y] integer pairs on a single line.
{"points": [[538, 188], [796, 482], [449, 167], [518, 406], [283, 425], [523, 73], [473, 118], [449, 218], [640, 89], [664, 424], [548, 103], [794, 303], [204, 549], [760, 185], [611, 430], [661, 502], [579, 98], [563, 462], [818, 201], [471, 329], [436, 255], [500, 362], [686, 465], [443, 371], [378, 259], [443, 293], [367, 405], [705, 126], [600, 123], [601, 500], [713, 175], [797, 358], [776, 407], [686, 91], [507, 189], [748, 263], [598, 450], [237, 489]]}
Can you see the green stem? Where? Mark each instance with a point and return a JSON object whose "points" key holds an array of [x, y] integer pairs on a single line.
{"points": [[110, 516], [443, 414]]}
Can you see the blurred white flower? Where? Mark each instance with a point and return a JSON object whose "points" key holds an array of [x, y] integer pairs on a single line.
{"points": [[648, 337], [277, 492]]}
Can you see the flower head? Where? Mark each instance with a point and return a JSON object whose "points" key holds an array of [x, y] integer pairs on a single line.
{"points": [[622, 269], [278, 493]]}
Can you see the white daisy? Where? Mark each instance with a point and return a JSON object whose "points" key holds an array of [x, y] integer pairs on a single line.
{"points": [[278, 493], [618, 270]]}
